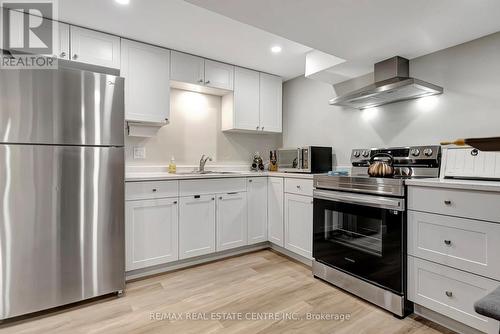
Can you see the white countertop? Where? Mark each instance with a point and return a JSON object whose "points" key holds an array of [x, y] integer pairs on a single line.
{"points": [[456, 184], [156, 176]]}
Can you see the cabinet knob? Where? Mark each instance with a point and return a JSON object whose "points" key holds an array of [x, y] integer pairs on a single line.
{"points": [[175, 202], [298, 187], [63, 54], [75, 56], [155, 190], [257, 128], [213, 198], [220, 197], [200, 81], [474, 152], [250, 181], [447, 202], [447, 242], [207, 82], [262, 128], [449, 293]]}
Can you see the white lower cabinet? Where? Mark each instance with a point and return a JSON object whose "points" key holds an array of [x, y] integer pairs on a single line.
{"points": [[450, 292], [298, 224], [231, 220], [151, 232], [257, 209], [275, 227], [196, 226]]}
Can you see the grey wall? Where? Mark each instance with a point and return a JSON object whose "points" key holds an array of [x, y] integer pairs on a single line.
{"points": [[469, 107], [195, 129]]}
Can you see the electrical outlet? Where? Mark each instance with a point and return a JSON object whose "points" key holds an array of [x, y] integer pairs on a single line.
{"points": [[139, 152]]}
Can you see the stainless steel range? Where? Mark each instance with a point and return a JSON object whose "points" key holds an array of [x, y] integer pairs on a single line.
{"points": [[359, 239]]}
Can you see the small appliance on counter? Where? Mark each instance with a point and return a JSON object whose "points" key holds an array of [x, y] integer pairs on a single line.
{"points": [[273, 161], [359, 224], [307, 159]]}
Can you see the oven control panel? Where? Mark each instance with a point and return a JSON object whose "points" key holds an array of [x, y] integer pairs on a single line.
{"points": [[412, 155]]}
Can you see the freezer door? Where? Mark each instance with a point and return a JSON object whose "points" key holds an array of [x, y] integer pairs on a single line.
{"points": [[61, 225], [65, 106]]}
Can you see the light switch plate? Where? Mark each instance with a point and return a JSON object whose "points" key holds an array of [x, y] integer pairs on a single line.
{"points": [[139, 152]]}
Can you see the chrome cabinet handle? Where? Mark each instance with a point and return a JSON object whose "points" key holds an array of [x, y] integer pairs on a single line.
{"points": [[447, 242], [250, 181], [213, 198], [447, 202], [175, 202], [207, 82], [257, 128], [155, 190], [449, 293], [63, 54], [474, 152], [75, 56], [298, 187], [262, 129], [220, 197]]}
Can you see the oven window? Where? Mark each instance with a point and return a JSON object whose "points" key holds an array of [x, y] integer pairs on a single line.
{"points": [[355, 231]]}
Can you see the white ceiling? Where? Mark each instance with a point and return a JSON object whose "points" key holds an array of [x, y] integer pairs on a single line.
{"points": [[366, 31], [182, 26]]}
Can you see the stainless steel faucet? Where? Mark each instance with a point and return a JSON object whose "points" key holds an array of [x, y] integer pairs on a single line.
{"points": [[203, 161]]}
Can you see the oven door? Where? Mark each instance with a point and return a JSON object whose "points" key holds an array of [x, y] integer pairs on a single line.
{"points": [[362, 235]]}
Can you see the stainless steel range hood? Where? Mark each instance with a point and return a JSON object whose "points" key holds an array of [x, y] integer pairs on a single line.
{"points": [[392, 84]]}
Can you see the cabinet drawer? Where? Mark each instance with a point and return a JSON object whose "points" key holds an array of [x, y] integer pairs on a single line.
{"points": [[461, 203], [212, 186], [299, 186], [450, 292], [465, 244], [151, 189]]}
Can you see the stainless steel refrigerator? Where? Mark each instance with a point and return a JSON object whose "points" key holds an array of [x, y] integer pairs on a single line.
{"points": [[61, 188]]}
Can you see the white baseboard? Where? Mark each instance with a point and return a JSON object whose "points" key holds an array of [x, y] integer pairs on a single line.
{"points": [[444, 320], [164, 268], [292, 255]]}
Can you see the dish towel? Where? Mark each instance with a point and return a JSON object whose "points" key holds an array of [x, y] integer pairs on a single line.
{"points": [[489, 305]]}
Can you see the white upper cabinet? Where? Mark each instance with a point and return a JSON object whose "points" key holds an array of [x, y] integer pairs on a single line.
{"points": [[257, 209], [240, 111], [196, 226], [61, 47], [187, 68], [151, 229], [270, 103], [275, 210], [255, 105], [146, 70], [93, 47], [219, 75], [231, 220]]}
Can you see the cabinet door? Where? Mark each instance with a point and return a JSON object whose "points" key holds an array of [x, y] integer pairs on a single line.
{"points": [[93, 47], [151, 232], [275, 210], [187, 68], [231, 221], [146, 70], [270, 103], [219, 75], [246, 99], [257, 209], [196, 226], [298, 224]]}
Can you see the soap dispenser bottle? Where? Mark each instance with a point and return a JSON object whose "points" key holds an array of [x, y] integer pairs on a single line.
{"points": [[172, 168]]}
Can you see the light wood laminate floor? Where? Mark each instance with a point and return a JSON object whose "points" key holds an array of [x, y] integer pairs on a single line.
{"points": [[260, 284]]}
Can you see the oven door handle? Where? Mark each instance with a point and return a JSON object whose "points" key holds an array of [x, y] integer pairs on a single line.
{"points": [[397, 204]]}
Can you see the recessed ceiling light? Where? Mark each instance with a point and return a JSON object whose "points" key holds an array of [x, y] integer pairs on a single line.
{"points": [[276, 49], [123, 2]]}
